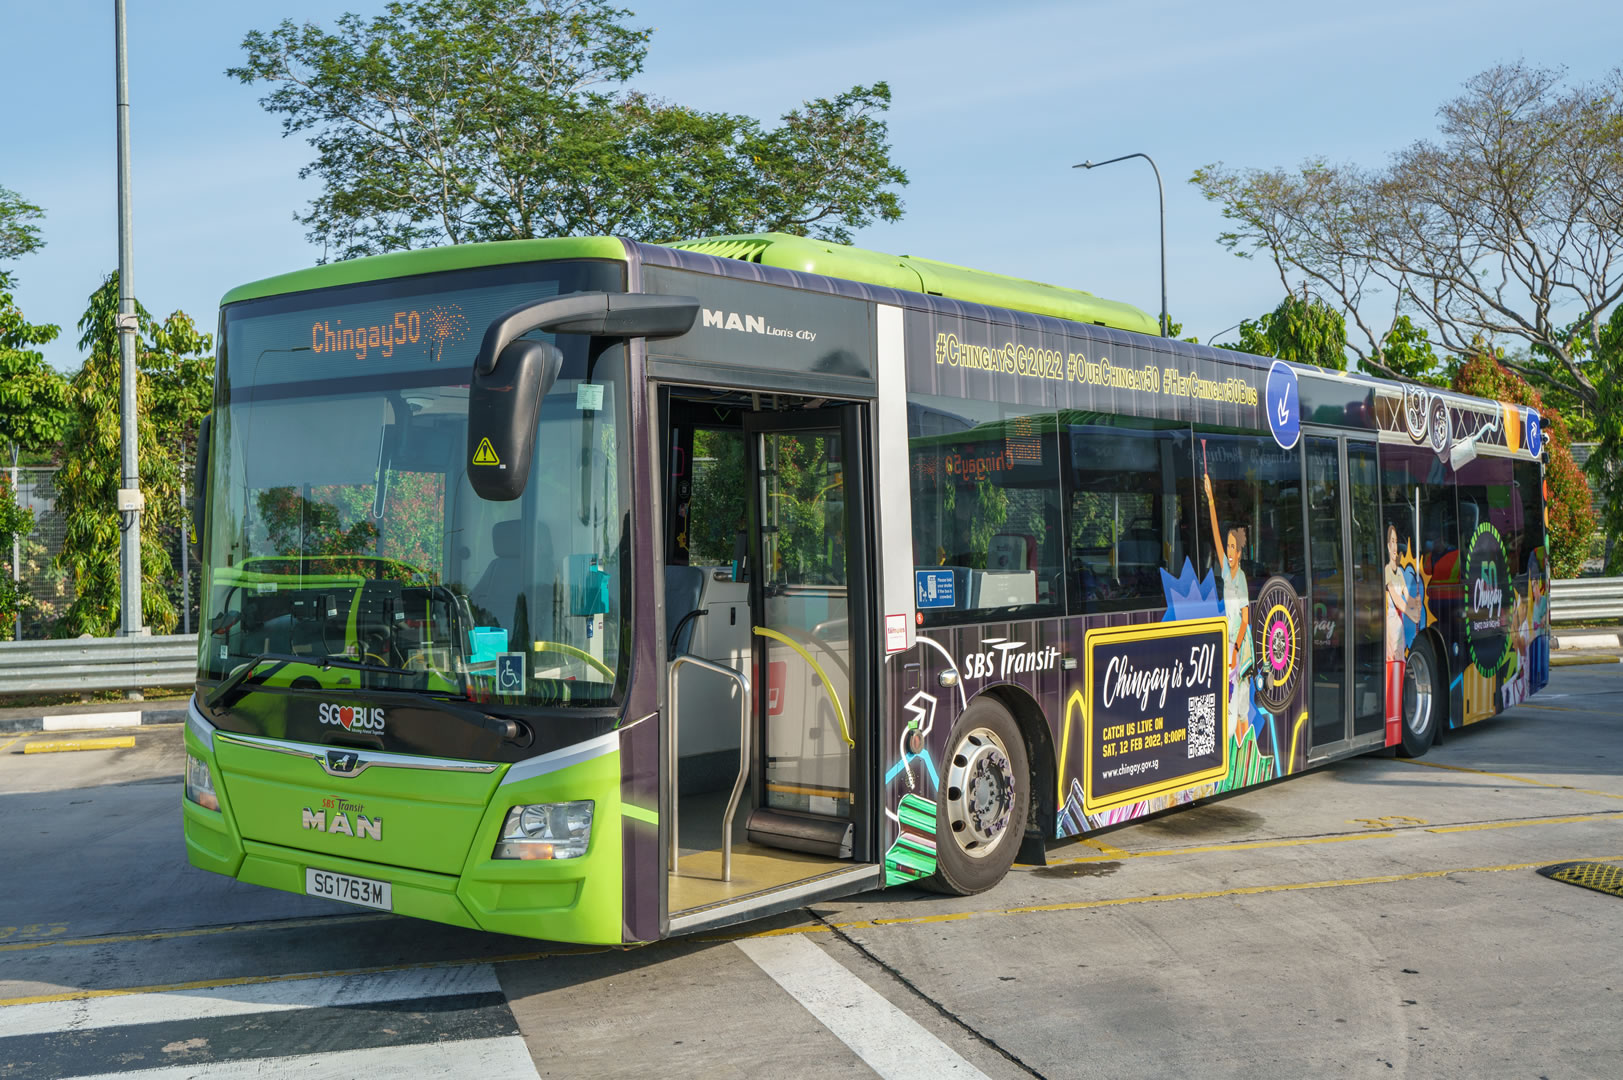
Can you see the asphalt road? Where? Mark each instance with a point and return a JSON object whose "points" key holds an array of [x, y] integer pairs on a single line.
{"points": [[1373, 918]]}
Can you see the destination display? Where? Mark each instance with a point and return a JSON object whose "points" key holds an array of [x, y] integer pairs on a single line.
{"points": [[1157, 702]]}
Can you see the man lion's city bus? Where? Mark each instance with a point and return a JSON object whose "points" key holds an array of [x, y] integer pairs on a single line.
{"points": [[597, 591]]}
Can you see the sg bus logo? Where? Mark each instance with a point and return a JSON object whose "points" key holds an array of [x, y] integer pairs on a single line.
{"points": [[351, 718]]}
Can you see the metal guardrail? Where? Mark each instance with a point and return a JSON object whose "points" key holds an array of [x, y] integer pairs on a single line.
{"points": [[74, 664], [1586, 599]]}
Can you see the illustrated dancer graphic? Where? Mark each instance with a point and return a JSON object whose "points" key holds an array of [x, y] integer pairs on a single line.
{"points": [[1399, 606], [1237, 606]]}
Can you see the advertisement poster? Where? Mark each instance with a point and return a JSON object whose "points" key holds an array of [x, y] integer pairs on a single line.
{"points": [[1157, 699]]}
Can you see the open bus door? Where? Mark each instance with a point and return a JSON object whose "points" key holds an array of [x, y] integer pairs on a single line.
{"points": [[797, 820]]}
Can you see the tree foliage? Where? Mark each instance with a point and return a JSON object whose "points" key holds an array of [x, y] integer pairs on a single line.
{"points": [[19, 234], [172, 393], [33, 395], [15, 524], [469, 120], [1603, 464], [1567, 506], [1303, 330], [1500, 229]]}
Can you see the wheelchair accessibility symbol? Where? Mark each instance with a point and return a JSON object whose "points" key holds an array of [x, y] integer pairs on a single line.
{"points": [[510, 673]]}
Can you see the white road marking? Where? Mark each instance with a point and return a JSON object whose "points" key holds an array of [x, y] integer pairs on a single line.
{"points": [[893, 1044], [85, 720], [45, 1017], [504, 1058]]}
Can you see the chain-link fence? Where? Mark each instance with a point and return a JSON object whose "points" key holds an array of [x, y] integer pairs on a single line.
{"points": [[48, 590]]}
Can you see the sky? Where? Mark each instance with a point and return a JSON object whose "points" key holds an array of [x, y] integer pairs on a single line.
{"points": [[992, 105]]}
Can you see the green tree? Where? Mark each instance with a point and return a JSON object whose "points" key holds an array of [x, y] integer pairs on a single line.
{"points": [[1603, 465], [172, 393], [452, 121], [19, 234], [1301, 330], [15, 524], [1567, 508], [1512, 217], [32, 398]]}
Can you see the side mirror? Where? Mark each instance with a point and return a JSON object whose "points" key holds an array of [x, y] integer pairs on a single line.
{"points": [[510, 377], [502, 409], [200, 478]]}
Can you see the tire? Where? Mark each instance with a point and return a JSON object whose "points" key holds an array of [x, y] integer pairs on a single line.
{"points": [[1425, 699], [983, 801]]}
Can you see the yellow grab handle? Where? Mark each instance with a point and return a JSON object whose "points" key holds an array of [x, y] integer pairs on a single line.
{"points": [[579, 654], [839, 710]]}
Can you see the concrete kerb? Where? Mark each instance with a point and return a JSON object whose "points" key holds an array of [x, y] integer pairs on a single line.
{"points": [[1598, 637], [109, 717]]}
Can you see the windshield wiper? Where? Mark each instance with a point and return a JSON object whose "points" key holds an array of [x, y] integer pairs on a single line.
{"points": [[233, 687], [238, 684]]}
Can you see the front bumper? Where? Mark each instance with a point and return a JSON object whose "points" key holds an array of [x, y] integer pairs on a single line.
{"points": [[574, 900]]}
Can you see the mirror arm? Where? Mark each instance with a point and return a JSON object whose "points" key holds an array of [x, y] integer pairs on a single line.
{"points": [[602, 313]]}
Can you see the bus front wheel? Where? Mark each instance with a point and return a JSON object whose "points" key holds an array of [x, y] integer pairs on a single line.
{"points": [[1425, 699], [983, 801]]}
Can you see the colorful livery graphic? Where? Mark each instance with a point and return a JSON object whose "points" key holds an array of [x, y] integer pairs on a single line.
{"points": [[598, 591]]}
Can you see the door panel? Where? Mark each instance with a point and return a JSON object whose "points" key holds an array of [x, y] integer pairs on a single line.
{"points": [[807, 647], [1327, 563], [1368, 606], [811, 605]]}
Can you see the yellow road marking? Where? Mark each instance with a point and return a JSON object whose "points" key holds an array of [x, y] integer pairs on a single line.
{"points": [[257, 980], [1244, 845], [1105, 849], [1302, 841], [1209, 894], [917, 920], [1508, 776], [13, 740], [200, 931], [1519, 824], [121, 742]]}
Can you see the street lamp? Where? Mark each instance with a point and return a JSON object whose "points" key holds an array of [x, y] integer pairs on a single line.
{"points": [[1166, 323]]}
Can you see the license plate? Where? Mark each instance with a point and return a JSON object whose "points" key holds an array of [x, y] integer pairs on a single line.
{"points": [[348, 889]]}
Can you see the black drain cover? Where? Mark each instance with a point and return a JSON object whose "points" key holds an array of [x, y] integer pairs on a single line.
{"points": [[1601, 876]]}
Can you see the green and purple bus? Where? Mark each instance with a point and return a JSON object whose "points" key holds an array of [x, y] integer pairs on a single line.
{"points": [[599, 591]]}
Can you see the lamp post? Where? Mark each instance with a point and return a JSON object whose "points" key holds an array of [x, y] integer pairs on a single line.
{"points": [[129, 487], [1166, 323]]}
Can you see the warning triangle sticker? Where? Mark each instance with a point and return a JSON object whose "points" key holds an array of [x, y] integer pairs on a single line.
{"points": [[486, 454]]}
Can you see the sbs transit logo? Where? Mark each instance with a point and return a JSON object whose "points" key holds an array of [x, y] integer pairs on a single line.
{"points": [[351, 718]]}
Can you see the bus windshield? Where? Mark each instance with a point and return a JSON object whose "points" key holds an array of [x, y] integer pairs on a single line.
{"points": [[342, 526]]}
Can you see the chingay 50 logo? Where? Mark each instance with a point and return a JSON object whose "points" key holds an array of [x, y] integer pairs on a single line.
{"points": [[351, 718]]}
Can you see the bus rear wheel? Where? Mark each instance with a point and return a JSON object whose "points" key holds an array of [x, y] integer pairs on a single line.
{"points": [[1425, 699], [983, 801]]}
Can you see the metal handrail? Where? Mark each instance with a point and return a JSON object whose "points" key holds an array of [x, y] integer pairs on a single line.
{"points": [[743, 761]]}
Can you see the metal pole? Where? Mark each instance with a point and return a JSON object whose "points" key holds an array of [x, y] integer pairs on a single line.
{"points": [[16, 550], [185, 559], [129, 495], [1166, 321]]}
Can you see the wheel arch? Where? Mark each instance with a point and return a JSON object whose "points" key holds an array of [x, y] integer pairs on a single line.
{"points": [[1040, 759], [1439, 649]]}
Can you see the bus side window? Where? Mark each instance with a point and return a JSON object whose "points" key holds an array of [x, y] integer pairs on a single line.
{"points": [[987, 532], [1130, 508]]}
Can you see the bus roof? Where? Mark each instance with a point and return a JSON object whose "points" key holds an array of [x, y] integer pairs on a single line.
{"points": [[428, 261], [915, 274]]}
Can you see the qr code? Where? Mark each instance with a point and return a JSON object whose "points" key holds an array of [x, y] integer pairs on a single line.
{"points": [[1202, 725]]}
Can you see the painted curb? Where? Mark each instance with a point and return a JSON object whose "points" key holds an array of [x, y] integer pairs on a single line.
{"points": [[1586, 641], [83, 721]]}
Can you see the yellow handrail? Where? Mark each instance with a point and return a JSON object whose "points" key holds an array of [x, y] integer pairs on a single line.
{"points": [[580, 654], [839, 710]]}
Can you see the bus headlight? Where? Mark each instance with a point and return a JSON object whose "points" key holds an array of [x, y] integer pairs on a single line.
{"points": [[200, 783], [546, 831]]}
